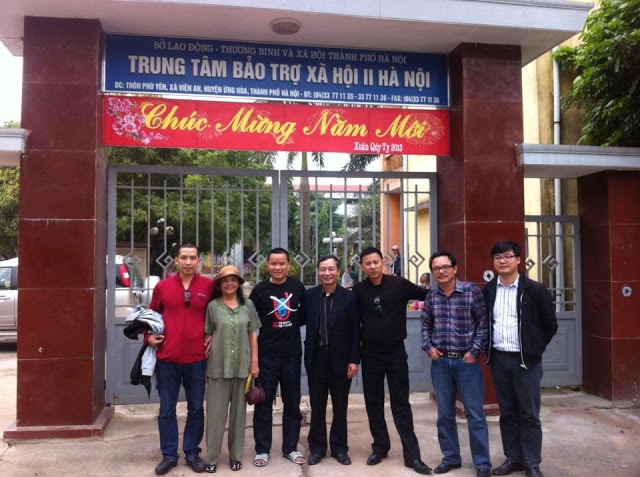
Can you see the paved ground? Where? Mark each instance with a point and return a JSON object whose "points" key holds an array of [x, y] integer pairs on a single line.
{"points": [[583, 435]]}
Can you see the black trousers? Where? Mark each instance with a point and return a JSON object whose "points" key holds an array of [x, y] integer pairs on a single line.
{"points": [[392, 365], [322, 383]]}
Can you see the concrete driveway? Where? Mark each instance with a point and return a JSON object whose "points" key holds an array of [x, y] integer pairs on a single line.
{"points": [[583, 436]]}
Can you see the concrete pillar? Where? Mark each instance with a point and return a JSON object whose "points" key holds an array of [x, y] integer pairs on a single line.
{"points": [[480, 186], [610, 234], [62, 241]]}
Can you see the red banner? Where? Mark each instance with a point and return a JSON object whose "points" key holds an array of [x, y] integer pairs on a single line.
{"points": [[157, 122]]}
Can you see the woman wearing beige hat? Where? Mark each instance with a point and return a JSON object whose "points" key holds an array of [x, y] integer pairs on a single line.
{"points": [[232, 322]]}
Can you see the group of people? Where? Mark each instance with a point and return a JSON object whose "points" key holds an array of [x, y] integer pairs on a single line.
{"points": [[213, 334]]}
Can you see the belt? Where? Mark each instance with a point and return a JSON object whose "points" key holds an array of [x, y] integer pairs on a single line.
{"points": [[452, 354], [515, 354]]}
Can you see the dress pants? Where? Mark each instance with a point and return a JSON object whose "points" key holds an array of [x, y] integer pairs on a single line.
{"points": [[323, 382], [392, 365], [225, 396], [518, 393]]}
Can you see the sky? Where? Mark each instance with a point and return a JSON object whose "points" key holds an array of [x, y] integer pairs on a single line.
{"points": [[10, 86]]}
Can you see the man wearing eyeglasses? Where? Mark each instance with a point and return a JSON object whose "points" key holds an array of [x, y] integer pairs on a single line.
{"points": [[454, 333], [522, 323], [181, 357], [382, 304]]}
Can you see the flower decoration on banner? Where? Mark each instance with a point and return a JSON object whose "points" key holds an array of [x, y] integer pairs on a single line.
{"points": [[129, 122], [434, 129]]}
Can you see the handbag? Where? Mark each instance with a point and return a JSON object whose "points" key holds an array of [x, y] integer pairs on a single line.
{"points": [[253, 390]]}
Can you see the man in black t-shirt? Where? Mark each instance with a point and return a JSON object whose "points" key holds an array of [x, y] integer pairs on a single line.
{"points": [[382, 303], [279, 300]]}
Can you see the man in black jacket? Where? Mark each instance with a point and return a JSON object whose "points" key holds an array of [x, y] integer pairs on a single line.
{"points": [[522, 322], [331, 357], [382, 304]]}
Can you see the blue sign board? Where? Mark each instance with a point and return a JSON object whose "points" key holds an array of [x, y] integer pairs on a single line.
{"points": [[194, 67]]}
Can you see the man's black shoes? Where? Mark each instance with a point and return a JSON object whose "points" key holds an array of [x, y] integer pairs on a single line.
{"points": [[166, 465], [375, 458], [444, 467], [343, 458], [419, 466], [533, 472], [196, 463], [314, 458], [507, 468], [484, 473]]}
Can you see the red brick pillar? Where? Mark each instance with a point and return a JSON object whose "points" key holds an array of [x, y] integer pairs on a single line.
{"points": [[480, 186], [62, 241], [610, 244]]}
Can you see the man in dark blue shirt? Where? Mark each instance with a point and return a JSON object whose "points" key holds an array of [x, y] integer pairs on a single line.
{"points": [[454, 333]]}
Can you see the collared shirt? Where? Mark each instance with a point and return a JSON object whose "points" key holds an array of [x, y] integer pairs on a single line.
{"points": [[505, 322], [230, 354], [455, 323]]}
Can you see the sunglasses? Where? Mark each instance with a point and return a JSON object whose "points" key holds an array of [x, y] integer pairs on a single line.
{"points": [[187, 298]]}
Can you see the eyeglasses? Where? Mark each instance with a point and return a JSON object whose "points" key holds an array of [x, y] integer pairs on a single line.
{"points": [[376, 305], [500, 258], [187, 298], [443, 268]]}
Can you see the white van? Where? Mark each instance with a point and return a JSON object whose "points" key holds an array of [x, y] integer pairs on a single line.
{"points": [[129, 282]]}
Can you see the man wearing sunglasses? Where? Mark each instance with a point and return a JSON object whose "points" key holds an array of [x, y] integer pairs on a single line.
{"points": [[522, 322], [181, 356], [454, 333], [382, 304]]}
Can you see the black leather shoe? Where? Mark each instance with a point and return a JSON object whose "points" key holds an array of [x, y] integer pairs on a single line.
{"points": [[444, 467], [314, 458], [533, 472], [166, 465], [375, 458], [196, 463], [484, 473], [419, 466], [343, 458], [507, 468]]}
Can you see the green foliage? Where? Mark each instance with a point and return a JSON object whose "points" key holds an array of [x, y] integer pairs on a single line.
{"points": [[362, 229], [9, 191], [607, 64], [196, 205]]}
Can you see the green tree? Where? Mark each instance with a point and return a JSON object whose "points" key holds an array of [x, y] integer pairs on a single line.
{"points": [[194, 205], [357, 162], [9, 192], [607, 65]]}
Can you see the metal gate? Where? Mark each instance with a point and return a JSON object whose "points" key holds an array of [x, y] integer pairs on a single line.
{"points": [[237, 215], [553, 258]]}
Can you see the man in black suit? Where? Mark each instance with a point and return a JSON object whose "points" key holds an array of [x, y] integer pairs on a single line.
{"points": [[331, 357]]}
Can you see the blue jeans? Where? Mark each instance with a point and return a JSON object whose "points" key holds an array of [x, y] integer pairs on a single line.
{"points": [[518, 393], [286, 371], [451, 376], [170, 377]]}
